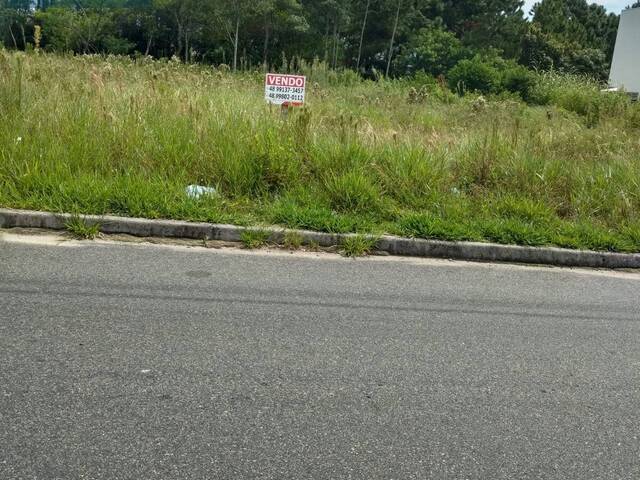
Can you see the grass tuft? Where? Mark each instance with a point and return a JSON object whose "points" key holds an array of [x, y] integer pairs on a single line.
{"points": [[253, 239], [80, 229], [292, 240], [352, 192], [358, 245]]}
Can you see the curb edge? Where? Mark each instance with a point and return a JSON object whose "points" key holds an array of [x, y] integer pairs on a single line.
{"points": [[471, 251]]}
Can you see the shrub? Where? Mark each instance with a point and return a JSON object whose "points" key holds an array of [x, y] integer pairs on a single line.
{"points": [[475, 75], [520, 80], [491, 74], [421, 81]]}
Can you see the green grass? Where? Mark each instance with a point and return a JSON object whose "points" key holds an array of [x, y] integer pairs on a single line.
{"points": [[358, 245], [292, 240], [253, 239], [105, 135], [79, 228]]}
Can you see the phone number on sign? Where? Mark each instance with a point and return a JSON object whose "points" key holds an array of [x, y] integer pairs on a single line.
{"points": [[286, 96], [295, 90]]}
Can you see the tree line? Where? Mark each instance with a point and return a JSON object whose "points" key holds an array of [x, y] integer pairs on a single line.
{"points": [[374, 37]]}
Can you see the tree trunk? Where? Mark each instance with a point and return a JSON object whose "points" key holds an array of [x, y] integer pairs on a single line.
{"points": [[179, 50], [326, 45], [393, 37], [235, 44], [364, 26], [186, 45], [335, 44], [146, 52], [24, 37], [13, 37], [265, 55]]}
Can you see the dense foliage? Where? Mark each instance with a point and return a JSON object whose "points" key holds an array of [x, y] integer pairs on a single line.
{"points": [[396, 37]]}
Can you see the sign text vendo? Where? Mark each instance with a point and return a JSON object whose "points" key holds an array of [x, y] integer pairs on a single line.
{"points": [[285, 89]]}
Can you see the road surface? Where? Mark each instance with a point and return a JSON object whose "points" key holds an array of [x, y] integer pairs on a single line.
{"points": [[122, 361]]}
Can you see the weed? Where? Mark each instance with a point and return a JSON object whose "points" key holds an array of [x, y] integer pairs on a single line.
{"points": [[358, 245], [81, 229], [253, 239], [292, 240], [437, 228], [352, 192]]}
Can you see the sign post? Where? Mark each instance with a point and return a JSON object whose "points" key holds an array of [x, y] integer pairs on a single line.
{"points": [[285, 90]]}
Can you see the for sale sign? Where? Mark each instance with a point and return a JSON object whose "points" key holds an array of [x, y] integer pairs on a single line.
{"points": [[285, 89]]}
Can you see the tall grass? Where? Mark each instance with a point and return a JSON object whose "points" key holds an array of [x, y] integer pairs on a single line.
{"points": [[113, 135]]}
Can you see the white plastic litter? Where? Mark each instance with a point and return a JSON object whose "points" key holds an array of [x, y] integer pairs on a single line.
{"points": [[197, 191]]}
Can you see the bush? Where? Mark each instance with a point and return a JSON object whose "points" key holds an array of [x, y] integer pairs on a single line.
{"points": [[475, 75], [491, 74], [422, 80], [520, 80]]}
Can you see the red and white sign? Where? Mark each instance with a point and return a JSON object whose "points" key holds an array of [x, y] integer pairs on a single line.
{"points": [[284, 89]]}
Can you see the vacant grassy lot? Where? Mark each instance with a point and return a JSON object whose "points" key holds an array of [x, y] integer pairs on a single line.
{"points": [[95, 135]]}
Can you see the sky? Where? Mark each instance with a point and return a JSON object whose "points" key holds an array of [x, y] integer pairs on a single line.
{"points": [[615, 6]]}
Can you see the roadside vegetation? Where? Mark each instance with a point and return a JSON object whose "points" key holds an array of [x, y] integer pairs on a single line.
{"points": [[79, 228], [292, 240], [536, 159], [253, 239], [358, 245]]}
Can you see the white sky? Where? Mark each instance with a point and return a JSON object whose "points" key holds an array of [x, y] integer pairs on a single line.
{"points": [[612, 5]]}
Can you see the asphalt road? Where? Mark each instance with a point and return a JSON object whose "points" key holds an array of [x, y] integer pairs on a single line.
{"points": [[146, 362]]}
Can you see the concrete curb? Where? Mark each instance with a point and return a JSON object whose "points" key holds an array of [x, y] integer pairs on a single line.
{"points": [[485, 252]]}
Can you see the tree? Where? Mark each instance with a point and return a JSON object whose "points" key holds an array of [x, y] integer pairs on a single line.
{"points": [[188, 17], [329, 21], [387, 30], [571, 35], [14, 16], [364, 26], [232, 15], [482, 24], [279, 15], [433, 50], [578, 22], [81, 31], [396, 37], [393, 37]]}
